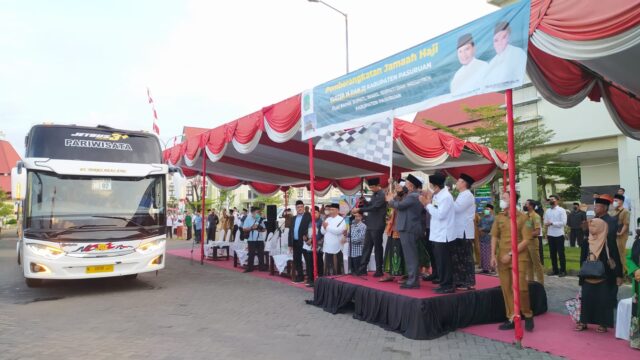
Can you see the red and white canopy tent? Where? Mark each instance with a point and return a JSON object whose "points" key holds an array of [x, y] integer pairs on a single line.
{"points": [[588, 48], [264, 150]]}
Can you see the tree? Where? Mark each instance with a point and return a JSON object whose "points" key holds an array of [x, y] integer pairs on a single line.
{"points": [[226, 199], [491, 131], [5, 209], [268, 200]]}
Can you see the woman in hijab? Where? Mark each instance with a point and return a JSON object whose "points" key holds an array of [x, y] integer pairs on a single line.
{"points": [[597, 301]]}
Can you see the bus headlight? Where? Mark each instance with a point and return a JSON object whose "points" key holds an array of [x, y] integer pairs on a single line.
{"points": [[150, 246], [46, 251]]}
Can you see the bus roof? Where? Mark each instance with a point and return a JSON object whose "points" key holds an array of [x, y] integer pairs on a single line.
{"points": [[101, 143]]}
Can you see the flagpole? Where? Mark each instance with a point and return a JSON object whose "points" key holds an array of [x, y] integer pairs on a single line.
{"points": [[393, 129], [204, 191], [313, 211], [512, 213], [156, 129]]}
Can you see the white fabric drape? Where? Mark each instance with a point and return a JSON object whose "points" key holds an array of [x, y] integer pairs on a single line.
{"points": [[215, 157], [497, 160], [191, 162], [323, 192], [420, 161], [349, 192], [586, 50], [248, 147], [281, 137]]}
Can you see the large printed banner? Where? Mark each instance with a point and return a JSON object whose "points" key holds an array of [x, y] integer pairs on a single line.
{"points": [[486, 55]]}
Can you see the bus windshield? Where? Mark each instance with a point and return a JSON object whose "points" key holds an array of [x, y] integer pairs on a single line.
{"points": [[76, 208]]}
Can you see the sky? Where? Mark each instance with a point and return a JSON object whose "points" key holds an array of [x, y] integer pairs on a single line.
{"points": [[205, 62]]}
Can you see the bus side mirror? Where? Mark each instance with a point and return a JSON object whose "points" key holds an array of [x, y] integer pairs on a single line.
{"points": [[18, 182]]}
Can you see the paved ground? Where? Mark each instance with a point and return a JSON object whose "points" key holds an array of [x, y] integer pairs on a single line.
{"points": [[190, 311]]}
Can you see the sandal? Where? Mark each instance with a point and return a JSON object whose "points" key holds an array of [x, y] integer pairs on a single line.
{"points": [[580, 327], [601, 329]]}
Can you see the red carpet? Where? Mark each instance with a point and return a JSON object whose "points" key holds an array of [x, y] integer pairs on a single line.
{"points": [[426, 288], [554, 334], [186, 253]]}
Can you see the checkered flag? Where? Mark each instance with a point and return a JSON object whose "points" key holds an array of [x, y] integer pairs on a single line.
{"points": [[373, 142]]}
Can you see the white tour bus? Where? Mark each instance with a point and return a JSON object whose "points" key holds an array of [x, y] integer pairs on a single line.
{"points": [[93, 203]]}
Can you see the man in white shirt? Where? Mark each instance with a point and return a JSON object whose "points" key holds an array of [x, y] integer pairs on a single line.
{"points": [[170, 221], [508, 66], [439, 203], [470, 76], [555, 219], [333, 229], [464, 277]]}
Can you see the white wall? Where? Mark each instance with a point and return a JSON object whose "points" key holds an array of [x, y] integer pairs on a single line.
{"points": [[600, 171], [585, 121]]}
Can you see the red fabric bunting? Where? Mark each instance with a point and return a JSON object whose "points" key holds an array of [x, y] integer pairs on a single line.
{"points": [[564, 77], [584, 19], [264, 189], [627, 108], [283, 116], [192, 145], [189, 172], [349, 184], [248, 126], [426, 143], [224, 181], [478, 172], [175, 154], [218, 137]]}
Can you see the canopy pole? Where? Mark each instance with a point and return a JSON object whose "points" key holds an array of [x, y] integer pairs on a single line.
{"points": [[313, 211], [204, 192], [511, 157], [393, 129], [504, 179]]}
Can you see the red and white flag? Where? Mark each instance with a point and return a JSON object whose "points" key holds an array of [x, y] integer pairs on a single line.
{"points": [[156, 128]]}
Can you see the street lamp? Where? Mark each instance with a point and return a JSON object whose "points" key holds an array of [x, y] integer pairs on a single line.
{"points": [[346, 27], [166, 143]]}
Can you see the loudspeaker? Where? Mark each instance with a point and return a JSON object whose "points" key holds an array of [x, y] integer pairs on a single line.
{"points": [[272, 221]]}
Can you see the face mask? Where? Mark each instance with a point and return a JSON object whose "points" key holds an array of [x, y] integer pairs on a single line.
{"points": [[326, 212], [575, 208], [487, 212], [525, 208], [616, 204], [504, 204]]}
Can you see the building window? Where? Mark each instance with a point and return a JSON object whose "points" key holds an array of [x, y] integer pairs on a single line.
{"points": [[251, 195], [301, 193]]}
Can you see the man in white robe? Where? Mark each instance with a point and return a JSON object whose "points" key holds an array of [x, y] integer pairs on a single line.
{"points": [[508, 66]]}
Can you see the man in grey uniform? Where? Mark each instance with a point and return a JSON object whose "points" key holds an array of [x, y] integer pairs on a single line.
{"points": [[409, 226]]}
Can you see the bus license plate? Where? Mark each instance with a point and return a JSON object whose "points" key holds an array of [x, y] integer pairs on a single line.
{"points": [[99, 269]]}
